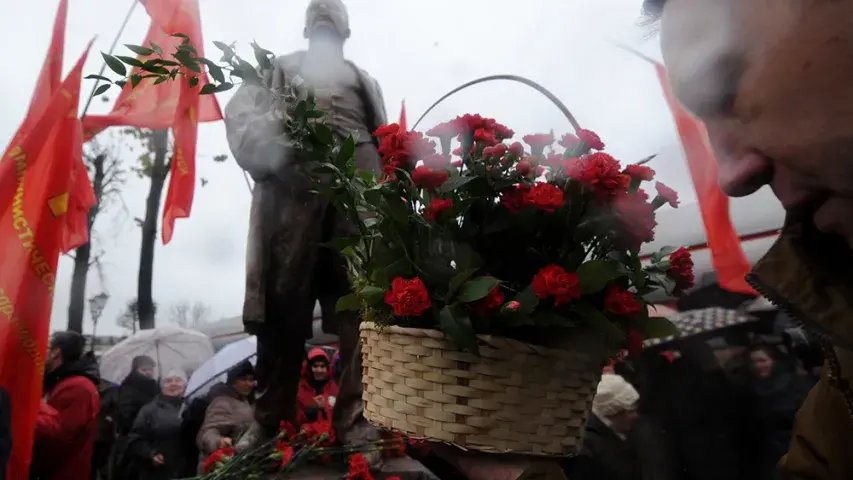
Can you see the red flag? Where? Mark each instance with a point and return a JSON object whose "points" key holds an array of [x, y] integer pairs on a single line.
{"points": [[727, 254], [402, 121], [35, 197], [168, 105]]}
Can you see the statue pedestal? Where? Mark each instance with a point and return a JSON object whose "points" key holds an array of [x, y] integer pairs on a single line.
{"points": [[404, 467]]}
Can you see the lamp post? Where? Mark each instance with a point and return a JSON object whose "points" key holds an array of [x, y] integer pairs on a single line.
{"points": [[96, 307]]}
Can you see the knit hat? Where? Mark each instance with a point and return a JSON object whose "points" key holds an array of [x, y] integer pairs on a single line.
{"points": [[142, 361], [173, 373], [614, 396], [241, 370]]}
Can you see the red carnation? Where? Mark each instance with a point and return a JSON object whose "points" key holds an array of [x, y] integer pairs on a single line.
{"points": [[446, 130], [544, 196], [637, 220], [486, 305], [513, 198], [358, 469], [538, 141], [214, 459], [601, 174], [524, 167], [385, 130], [516, 149], [569, 141], [621, 302], [286, 452], [590, 139], [634, 342], [436, 207], [681, 269], [666, 195], [640, 172], [425, 177], [408, 297], [554, 281], [487, 137], [436, 161]]}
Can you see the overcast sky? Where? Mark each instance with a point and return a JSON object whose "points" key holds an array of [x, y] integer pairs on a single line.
{"points": [[417, 51]]}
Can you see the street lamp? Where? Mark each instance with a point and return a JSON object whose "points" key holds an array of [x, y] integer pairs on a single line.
{"points": [[96, 307]]}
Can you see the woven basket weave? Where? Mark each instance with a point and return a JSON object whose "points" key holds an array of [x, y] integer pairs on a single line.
{"points": [[514, 398]]}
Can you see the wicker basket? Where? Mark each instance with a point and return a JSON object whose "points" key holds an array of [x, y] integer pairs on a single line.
{"points": [[514, 398]]}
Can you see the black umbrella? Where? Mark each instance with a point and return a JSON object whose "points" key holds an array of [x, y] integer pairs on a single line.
{"points": [[707, 322]]}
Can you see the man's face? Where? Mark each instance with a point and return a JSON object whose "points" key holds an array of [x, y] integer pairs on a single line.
{"points": [[773, 82], [329, 15], [146, 371], [174, 386], [245, 385], [320, 370], [53, 358]]}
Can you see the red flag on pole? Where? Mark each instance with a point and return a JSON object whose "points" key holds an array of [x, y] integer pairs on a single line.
{"points": [[402, 121], [36, 182], [727, 254], [169, 104]]}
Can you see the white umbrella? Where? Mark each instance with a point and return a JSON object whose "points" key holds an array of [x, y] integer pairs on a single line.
{"points": [[215, 370], [170, 346]]}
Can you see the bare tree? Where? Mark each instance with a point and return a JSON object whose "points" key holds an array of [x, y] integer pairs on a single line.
{"points": [[129, 318], [103, 163], [184, 314]]}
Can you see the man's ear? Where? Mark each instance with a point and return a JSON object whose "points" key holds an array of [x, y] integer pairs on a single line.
{"points": [[305, 33]]}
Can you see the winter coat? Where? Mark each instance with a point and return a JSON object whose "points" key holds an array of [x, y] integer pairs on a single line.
{"points": [[135, 391], [67, 422], [5, 431], [308, 410], [773, 406], [228, 415], [808, 275], [157, 430], [603, 455]]}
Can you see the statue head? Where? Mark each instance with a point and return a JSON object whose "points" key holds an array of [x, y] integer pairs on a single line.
{"points": [[327, 18]]}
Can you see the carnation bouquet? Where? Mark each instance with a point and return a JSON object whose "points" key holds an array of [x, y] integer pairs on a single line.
{"points": [[465, 230]]}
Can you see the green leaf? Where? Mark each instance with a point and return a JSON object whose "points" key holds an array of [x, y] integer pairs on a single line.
{"points": [[130, 60], [396, 207], [324, 134], [476, 288], [262, 56], [596, 274], [98, 77], [528, 300], [115, 64], [340, 243], [156, 48], [139, 49], [207, 89], [160, 80], [459, 279], [454, 183], [596, 319], [135, 79], [372, 295], [663, 252], [102, 88], [193, 82], [346, 152], [214, 70], [550, 319], [455, 323], [225, 48], [120, 83], [348, 303], [224, 87]]}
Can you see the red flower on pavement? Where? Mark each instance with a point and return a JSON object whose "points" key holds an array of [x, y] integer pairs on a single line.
{"points": [[286, 430], [590, 139], [538, 141], [425, 177], [636, 218], [601, 174], [667, 194], [491, 302], [358, 469], [681, 269], [286, 452], [408, 297], [619, 301], [320, 431], [436, 207], [214, 459], [553, 281], [634, 342], [640, 172], [544, 196]]}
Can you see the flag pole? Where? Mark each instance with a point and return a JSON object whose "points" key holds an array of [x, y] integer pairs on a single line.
{"points": [[112, 49]]}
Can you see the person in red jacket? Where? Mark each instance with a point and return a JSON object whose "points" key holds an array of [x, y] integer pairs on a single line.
{"points": [[68, 415], [317, 389]]}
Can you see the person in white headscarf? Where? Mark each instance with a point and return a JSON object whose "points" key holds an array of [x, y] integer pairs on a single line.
{"points": [[606, 454], [154, 443]]}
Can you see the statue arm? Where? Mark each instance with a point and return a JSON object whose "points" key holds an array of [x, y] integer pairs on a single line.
{"points": [[252, 125], [381, 113]]}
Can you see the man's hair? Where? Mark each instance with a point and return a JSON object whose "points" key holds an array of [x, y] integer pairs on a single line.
{"points": [[71, 344]]}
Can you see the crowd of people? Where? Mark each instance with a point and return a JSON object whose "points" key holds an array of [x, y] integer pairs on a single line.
{"points": [[145, 428], [694, 414]]}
